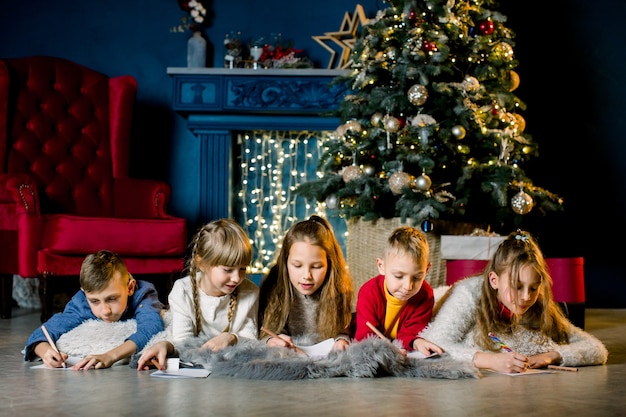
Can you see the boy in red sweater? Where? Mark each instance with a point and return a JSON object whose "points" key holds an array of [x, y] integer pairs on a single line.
{"points": [[399, 302]]}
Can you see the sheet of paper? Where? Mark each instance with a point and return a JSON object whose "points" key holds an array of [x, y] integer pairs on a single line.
{"points": [[182, 373], [71, 361], [418, 355], [319, 350], [530, 372]]}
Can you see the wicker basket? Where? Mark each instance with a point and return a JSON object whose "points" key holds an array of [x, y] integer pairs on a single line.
{"points": [[366, 241]]}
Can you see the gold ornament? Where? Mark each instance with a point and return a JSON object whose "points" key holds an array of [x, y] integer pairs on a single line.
{"points": [[514, 80], [398, 181], [351, 173], [458, 131], [418, 94], [522, 203]]}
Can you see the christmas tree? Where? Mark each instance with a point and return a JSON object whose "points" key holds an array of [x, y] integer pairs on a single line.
{"points": [[431, 127]]}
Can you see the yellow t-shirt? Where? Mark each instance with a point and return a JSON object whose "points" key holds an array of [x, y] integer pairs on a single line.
{"points": [[391, 312]]}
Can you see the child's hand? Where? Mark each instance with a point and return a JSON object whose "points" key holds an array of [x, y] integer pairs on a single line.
{"points": [[220, 341], [282, 340], [426, 347], [155, 355], [94, 361], [341, 344], [53, 359], [505, 362], [544, 359]]}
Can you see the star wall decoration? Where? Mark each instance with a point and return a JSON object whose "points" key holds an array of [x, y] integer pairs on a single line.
{"points": [[343, 40]]}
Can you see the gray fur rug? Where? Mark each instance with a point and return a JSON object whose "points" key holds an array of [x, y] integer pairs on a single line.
{"points": [[373, 357], [252, 359]]}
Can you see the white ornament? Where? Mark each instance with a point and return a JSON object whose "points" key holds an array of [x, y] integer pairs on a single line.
{"points": [[423, 120]]}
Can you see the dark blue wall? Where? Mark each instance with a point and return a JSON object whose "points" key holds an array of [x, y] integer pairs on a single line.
{"points": [[572, 69]]}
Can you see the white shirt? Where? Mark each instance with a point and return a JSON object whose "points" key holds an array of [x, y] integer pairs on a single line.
{"points": [[214, 311]]}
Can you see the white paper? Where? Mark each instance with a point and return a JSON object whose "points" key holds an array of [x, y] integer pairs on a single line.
{"points": [[529, 372], [69, 362], [319, 350], [419, 355], [182, 373]]}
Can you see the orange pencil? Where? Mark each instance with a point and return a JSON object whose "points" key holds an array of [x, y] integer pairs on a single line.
{"points": [[375, 330], [562, 368], [274, 335], [51, 342]]}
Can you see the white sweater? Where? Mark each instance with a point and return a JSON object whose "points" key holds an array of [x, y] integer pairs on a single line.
{"points": [[452, 329], [214, 311]]}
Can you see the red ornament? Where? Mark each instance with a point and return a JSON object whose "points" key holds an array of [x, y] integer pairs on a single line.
{"points": [[485, 27], [429, 46]]}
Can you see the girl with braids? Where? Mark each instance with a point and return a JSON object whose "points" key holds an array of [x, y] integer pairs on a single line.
{"points": [[507, 320], [215, 302], [308, 292]]}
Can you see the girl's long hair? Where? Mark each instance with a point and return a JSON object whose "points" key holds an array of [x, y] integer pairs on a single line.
{"points": [[277, 293], [519, 249]]}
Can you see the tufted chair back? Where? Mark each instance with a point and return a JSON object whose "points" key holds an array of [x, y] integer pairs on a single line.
{"points": [[64, 186]]}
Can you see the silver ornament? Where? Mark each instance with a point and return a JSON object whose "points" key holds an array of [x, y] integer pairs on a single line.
{"points": [[458, 131], [376, 119], [369, 170], [391, 124], [332, 202], [351, 173], [423, 182], [417, 94], [522, 203], [398, 181]]}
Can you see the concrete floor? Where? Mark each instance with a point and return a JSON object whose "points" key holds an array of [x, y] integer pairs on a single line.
{"points": [[122, 391]]}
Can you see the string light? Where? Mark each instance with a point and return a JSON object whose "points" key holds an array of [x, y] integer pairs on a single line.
{"points": [[273, 164]]}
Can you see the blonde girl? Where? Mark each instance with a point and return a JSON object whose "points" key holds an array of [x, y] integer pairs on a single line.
{"points": [[215, 302], [513, 302]]}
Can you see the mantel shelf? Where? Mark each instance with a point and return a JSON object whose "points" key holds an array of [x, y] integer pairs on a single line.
{"points": [[219, 102]]}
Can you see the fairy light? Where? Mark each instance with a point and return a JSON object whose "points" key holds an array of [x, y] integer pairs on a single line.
{"points": [[273, 164]]}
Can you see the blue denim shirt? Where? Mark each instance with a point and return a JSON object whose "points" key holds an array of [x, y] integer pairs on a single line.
{"points": [[143, 306]]}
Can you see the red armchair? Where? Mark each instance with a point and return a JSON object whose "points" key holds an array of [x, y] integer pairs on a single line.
{"points": [[64, 185]]}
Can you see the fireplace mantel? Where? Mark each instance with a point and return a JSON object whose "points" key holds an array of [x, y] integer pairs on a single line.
{"points": [[218, 102]]}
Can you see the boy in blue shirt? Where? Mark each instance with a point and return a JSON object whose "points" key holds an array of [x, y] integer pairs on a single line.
{"points": [[108, 293]]}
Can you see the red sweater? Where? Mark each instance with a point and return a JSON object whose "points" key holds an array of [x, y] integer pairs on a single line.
{"points": [[372, 304]]}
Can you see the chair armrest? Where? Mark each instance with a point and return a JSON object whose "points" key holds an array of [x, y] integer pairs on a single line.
{"points": [[20, 189], [140, 198]]}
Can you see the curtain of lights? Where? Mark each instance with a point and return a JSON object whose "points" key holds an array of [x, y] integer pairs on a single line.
{"points": [[273, 164]]}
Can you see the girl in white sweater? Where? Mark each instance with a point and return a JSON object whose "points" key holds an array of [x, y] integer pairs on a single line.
{"points": [[512, 301]]}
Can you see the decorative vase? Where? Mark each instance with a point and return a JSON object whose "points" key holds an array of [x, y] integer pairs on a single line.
{"points": [[255, 54], [196, 51]]}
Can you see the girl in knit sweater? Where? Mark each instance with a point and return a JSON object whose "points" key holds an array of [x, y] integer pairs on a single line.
{"points": [[512, 301], [308, 292]]}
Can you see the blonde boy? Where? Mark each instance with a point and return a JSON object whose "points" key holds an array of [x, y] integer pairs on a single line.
{"points": [[399, 302]]}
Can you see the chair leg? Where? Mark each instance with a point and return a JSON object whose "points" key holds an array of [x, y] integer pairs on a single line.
{"points": [[45, 296], [6, 295]]}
